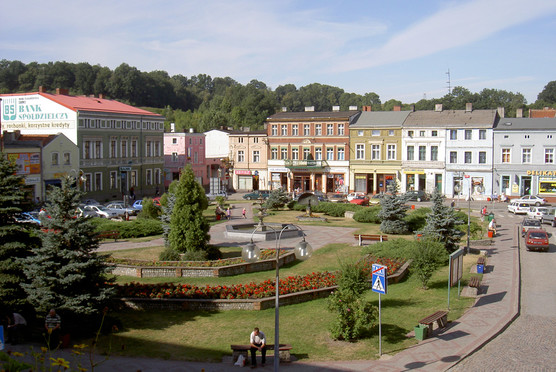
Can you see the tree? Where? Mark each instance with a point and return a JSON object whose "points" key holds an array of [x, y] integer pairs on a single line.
{"points": [[188, 228], [277, 199], [427, 256], [548, 94], [65, 272], [15, 239], [392, 214], [441, 224]]}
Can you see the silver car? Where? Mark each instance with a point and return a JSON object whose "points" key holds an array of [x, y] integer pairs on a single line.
{"points": [[101, 211], [120, 209]]}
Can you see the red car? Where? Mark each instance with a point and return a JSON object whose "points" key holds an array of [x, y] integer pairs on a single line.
{"points": [[537, 240], [360, 200]]}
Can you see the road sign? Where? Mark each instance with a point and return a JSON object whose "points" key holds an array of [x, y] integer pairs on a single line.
{"points": [[378, 279]]}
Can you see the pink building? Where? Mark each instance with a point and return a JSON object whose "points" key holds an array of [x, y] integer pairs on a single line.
{"points": [[181, 149]]}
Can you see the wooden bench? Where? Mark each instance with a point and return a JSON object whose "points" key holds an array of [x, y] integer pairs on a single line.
{"points": [[474, 282], [237, 350], [110, 234], [370, 237], [441, 317]]}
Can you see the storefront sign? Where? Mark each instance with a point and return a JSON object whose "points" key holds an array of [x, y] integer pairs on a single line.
{"points": [[541, 173], [32, 180], [243, 172]]}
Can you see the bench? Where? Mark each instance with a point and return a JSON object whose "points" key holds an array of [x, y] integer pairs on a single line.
{"points": [[441, 317], [474, 282], [238, 350], [370, 237], [110, 234]]}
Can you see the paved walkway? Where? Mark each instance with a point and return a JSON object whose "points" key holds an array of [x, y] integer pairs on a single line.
{"points": [[493, 310]]}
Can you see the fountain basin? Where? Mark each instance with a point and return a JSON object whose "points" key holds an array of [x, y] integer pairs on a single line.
{"points": [[245, 231]]}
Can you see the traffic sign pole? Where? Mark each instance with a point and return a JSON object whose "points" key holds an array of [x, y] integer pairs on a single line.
{"points": [[379, 285], [379, 327]]}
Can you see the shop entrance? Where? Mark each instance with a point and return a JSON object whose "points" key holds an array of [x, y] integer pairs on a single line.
{"points": [[525, 185]]}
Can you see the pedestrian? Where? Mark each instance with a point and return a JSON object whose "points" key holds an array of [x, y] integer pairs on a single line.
{"points": [[258, 342], [229, 213], [484, 212], [16, 328], [243, 212], [492, 227], [52, 324], [453, 204]]}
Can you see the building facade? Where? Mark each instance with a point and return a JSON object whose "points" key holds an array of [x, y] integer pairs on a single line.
{"points": [[181, 150], [248, 154]]}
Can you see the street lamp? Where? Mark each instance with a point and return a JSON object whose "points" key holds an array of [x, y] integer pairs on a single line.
{"points": [[251, 253]]}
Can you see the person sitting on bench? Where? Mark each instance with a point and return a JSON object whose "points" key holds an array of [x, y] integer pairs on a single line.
{"points": [[492, 227], [258, 342]]}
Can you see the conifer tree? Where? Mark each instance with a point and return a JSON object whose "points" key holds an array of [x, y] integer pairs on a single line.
{"points": [[188, 227], [64, 272], [441, 224], [277, 199], [15, 239], [392, 214]]}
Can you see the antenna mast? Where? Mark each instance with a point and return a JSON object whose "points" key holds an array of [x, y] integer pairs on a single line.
{"points": [[449, 83]]}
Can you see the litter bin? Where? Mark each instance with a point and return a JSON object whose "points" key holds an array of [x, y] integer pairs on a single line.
{"points": [[421, 332], [480, 269], [490, 216]]}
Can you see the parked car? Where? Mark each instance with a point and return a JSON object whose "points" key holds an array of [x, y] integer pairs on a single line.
{"points": [[537, 212], [81, 211], [515, 207], [120, 209], [90, 202], [528, 224], [537, 240], [101, 211], [337, 198], [549, 217], [416, 195], [353, 195], [531, 200], [257, 195], [360, 200], [138, 204]]}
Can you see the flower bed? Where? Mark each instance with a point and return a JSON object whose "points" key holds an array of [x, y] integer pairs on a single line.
{"points": [[396, 268]]}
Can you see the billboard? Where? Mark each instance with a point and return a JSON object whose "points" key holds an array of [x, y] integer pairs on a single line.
{"points": [[26, 162]]}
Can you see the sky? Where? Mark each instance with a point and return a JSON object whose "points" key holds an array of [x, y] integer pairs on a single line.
{"points": [[398, 49]]}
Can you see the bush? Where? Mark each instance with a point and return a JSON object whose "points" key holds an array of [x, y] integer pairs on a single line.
{"points": [[169, 254], [396, 248], [129, 229], [417, 219], [369, 215], [213, 253], [427, 256], [194, 256], [149, 210]]}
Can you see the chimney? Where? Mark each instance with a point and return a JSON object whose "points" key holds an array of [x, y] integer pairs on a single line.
{"points": [[191, 130], [352, 108], [42, 89], [500, 111], [519, 113], [397, 108], [62, 91], [367, 108], [335, 108], [438, 107], [284, 109], [101, 95], [412, 108], [172, 127], [309, 108], [468, 107]]}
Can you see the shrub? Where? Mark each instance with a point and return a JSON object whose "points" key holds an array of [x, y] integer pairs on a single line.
{"points": [[369, 215], [213, 253], [417, 219], [428, 256], [396, 248], [220, 200], [169, 254], [194, 256], [129, 229], [149, 210]]}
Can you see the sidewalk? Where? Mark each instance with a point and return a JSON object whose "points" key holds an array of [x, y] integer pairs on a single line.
{"points": [[497, 306]]}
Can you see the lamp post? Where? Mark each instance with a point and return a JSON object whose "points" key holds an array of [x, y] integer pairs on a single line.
{"points": [[251, 253], [468, 214]]}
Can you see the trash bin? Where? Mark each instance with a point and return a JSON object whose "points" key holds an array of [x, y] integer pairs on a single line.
{"points": [[490, 216], [480, 269], [217, 217], [421, 332]]}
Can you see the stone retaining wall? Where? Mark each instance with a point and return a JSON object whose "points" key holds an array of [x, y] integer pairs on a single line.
{"points": [[200, 272]]}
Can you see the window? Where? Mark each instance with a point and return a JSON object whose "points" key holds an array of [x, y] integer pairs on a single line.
{"points": [[148, 149], [306, 153], [453, 157], [330, 129], [549, 156], [375, 132], [113, 180], [468, 134], [240, 139], [375, 152], [482, 157], [133, 179], [410, 133], [295, 130], [67, 158], [98, 181], [467, 157], [256, 156], [434, 153], [341, 129], [195, 157], [174, 157], [318, 153], [422, 153], [87, 149], [329, 153], [124, 148], [240, 156], [506, 155], [526, 155], [360, 133], [284, 129], [256, 140], [157, 176], [156, 148], [482, 134], [149, 177], [113, 147], [54, 158], [341, 153], [434, 133], [88, 182], [283, 153], [391, 152], [274, 153], [274, 130], [306, 129], [360, 151], [295, 154], [318, 129], [410, 151], [453, 134], [390, 132], [422, 133], [98, 149], [174, 141]]}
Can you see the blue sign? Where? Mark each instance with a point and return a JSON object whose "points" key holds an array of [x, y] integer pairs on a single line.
{"points": [[378, 279], [1, 338]]}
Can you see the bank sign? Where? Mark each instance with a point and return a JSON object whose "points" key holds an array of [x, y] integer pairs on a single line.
{"points": [[33, 112]]}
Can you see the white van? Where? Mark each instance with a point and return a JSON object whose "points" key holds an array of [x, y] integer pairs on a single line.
{"points": [[516, 207]]}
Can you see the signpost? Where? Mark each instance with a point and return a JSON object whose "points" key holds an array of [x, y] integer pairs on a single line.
{"points": [[380, 286], [455, 271]]}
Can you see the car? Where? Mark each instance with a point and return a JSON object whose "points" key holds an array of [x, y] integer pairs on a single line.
{"points": [[531, 200], [120, 209], [337, 198], [257, 195], [90, 202], [81, 211], [549, 217], [528, 224], [138, 204], [537, 240], [360, 200], [353, 195], [416, 195], [537, 212], [28, 217], [101, 211], [515, 207], [212, 196]]}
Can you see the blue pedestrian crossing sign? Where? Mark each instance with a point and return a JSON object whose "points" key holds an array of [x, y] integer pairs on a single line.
{"points": [[378, 279]]}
